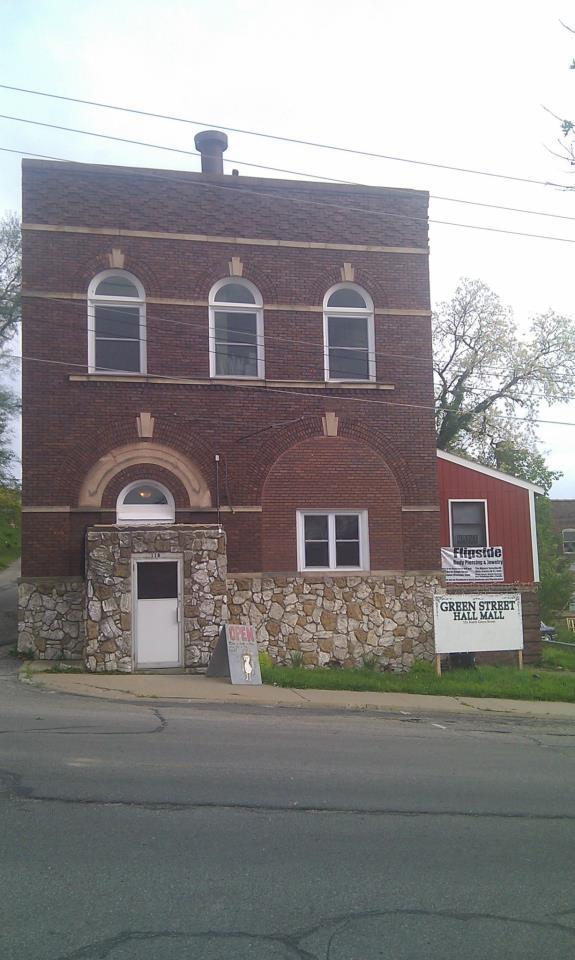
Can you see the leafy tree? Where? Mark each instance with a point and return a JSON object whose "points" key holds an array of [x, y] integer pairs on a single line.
{"points": [[557, 579], [10, 279], [525, 464], [489, 380]]}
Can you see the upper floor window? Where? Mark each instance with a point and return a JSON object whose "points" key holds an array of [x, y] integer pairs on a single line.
{"points": [[348, 331], [236, 330], [116, 323], [468, 523], [568, 541], [145, 501]]}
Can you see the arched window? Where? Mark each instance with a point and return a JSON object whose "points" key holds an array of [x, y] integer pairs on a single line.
{"points": [[145, 501], [349, 339], [116, 323], [236, 330]]}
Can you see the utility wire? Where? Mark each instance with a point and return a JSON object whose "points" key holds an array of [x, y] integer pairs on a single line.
{"points": [[283, 139], [267, 194], [432, 196], [269, 389], [201, 327]]}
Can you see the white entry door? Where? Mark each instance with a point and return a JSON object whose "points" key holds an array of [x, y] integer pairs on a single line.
{"points": [[156, 609]]}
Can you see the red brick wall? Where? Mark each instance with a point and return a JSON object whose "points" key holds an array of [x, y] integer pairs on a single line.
{"points": [[69, 425]]}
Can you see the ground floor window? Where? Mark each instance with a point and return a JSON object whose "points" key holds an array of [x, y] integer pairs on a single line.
{"points": [[332, 540]]}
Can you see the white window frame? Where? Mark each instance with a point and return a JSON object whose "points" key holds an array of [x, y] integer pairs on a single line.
{"points": [[468, 500], [135, 513], [571, 539], [223, 307], [331, 515], [98, 301], [366, 312]]}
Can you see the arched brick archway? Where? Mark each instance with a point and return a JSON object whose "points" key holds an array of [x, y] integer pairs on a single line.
{"points": [[331, 473], [131, 455]]}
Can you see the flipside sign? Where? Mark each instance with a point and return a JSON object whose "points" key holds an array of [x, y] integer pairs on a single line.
{"points": [[472, 564], [476, 623]]}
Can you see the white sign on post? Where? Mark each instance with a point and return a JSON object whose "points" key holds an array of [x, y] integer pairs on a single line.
{"points": [[477, 623], [472, 564]]}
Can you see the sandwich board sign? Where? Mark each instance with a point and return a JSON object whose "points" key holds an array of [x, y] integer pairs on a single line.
{"points": [[236, 655], [477, 623]]}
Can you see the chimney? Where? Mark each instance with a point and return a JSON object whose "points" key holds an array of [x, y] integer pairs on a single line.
{"points": [[211, 144]]}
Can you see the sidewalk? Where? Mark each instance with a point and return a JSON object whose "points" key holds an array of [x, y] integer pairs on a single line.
{"points": [[188, 688]]}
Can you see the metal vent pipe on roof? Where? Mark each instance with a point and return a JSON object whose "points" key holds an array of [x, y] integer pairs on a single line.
{"points": [[211, 145]]}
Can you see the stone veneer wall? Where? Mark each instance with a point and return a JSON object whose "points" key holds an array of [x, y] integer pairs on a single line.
{"points": [[109, 589], [340, 619], [51, 617]]}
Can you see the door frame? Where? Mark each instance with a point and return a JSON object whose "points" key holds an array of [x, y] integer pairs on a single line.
{"points": [[157, 558]]}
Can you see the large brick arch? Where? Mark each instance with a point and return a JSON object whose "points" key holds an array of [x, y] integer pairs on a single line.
{"points": [[331, 473], [277, 441]]}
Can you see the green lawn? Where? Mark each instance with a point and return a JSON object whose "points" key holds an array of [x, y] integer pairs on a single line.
{"points": [[556, 656], [543, 683]]}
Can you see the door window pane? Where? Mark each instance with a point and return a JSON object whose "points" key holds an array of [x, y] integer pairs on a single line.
{"points": [[157, 581]]}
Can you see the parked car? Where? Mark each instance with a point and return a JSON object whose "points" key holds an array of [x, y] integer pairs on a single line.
{"points": [[548, 633]]}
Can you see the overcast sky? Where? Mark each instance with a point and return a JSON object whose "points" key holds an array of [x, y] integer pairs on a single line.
{"points": [[447, 82]]}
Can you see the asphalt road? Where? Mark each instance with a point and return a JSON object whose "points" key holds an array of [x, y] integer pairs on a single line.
{"points": [[161, 831]]}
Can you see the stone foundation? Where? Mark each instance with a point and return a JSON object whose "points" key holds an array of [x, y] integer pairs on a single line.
{"points": [[109, 552], [51, 617], [341, 620]]}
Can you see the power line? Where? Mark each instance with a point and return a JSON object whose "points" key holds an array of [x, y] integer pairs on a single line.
{"points": [[283, 139], [268, 388], [432, 196], [347, 208]]}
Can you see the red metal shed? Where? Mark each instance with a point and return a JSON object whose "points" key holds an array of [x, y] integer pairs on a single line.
{"points": [[484, 507]]}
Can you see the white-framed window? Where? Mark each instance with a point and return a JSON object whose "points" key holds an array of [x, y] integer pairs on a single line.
{"points": [[468, 524], [116, 323], [348, 333], [236, 330], [568, 541], [145, 501], [332, 540]]}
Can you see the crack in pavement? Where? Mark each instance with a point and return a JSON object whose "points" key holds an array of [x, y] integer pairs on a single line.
{"points": [[83, 728], [292, 943], [16, 792]]}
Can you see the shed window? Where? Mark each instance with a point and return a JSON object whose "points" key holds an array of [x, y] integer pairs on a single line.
{"points": [[468, 523]]}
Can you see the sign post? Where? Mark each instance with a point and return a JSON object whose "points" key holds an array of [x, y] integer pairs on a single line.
{"points": [[477, 623], [236, 655]]}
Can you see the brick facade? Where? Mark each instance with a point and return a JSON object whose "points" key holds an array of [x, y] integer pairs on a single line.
{"points": [[179, 234]]}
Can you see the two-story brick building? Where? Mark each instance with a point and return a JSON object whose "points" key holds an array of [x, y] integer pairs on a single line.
{"points": [[228, 412]]}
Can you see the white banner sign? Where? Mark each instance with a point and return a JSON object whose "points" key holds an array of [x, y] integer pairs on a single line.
{"points": [[472, 564], [474, 623]]}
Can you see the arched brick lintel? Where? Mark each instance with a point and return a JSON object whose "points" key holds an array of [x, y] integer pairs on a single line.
{"points": [[130, 455]]}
